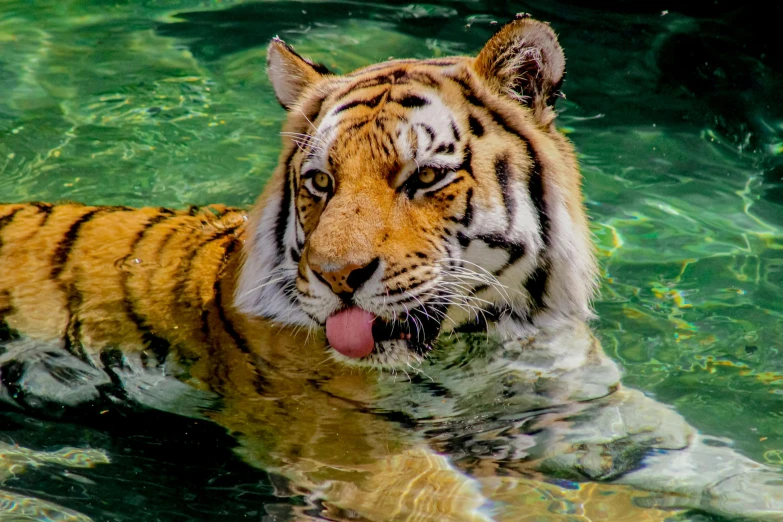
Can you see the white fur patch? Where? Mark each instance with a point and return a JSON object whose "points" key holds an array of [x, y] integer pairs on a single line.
{"points": [[261, 287]]}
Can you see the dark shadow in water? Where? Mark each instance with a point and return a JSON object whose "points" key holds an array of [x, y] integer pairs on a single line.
{"points": [[158, 461]]}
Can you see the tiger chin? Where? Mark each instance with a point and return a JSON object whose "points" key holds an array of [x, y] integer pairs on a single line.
{"points": [[419, 197]]}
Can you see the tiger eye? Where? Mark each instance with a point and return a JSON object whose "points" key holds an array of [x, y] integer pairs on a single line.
{"points": [[427, 175], [321, 181]]}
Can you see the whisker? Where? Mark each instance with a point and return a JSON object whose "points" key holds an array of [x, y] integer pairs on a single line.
{"points": [[311, 123], [265, 280]]}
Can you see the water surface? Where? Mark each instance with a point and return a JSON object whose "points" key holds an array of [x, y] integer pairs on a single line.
{"points": [[676, 115]]}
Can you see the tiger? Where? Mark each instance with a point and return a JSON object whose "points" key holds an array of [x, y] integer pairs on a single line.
{"points": [[416, 204]]}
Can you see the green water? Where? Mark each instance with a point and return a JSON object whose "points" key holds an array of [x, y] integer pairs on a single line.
{"points": [[676, 115]]}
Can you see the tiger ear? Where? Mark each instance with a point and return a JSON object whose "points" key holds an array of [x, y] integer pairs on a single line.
{"points": [[290, 74], [524, 61]]}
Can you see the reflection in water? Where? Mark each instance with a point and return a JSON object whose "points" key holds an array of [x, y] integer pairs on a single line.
{"points": [[18, 508], [483, 431]]}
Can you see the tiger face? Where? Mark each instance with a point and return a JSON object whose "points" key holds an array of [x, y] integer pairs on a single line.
{"points": [[416, 197]]}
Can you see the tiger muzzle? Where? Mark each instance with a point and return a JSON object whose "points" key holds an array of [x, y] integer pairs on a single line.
{"points": [[346, 280]]}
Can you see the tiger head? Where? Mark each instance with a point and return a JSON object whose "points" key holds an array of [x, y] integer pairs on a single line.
{"points": [[416, 197]]}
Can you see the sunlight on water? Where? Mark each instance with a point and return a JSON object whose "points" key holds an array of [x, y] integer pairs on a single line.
{"points": [[15, 460], [12, 457], [17, 508]]}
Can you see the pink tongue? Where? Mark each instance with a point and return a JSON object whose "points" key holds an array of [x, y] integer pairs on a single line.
{"points": [[350, 332]]}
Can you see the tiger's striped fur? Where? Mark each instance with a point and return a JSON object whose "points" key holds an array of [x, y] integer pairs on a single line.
{"points": [[147, 281], [499, 239]]}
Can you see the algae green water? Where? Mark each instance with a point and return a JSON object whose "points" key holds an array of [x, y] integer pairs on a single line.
{"points": [[676, 115]]}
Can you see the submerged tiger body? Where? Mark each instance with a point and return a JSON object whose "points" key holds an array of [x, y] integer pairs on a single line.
{"points": [[414, 200]]}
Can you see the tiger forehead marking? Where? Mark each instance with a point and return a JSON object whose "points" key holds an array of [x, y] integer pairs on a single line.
{"points": [[420, 196]]}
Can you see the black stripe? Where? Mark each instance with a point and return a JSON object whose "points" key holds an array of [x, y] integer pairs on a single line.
{"points": [[113, 361], [536, 287], [212, 342], [502, 172], [424, 79], [535, 182], [539, 279], [535, 188], [501, 122], [317, 104], [281, 224], [475, 126], [386, 145], [156, 344], [467, 218], [7, 220], [430, 132], [159, 346], [394, 274], [313, 318], [357, 124], [64, 247], [319, 67], [445, 149], [6, 332], [398, 74], [439, 63], [228, 326], [186, 264], [467, 91], [163, 215], [479, 324], [371, 103], [363, 84], [45, 209], [515, 250], [467, 158], [411, 101], [219, 373], [400, 290], [379, 67], [72, 337], [455, 131], [73, 331], [260, 383]]}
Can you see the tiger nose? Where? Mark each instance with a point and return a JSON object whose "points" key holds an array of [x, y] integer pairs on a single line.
{"points": [[348, 279]]}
